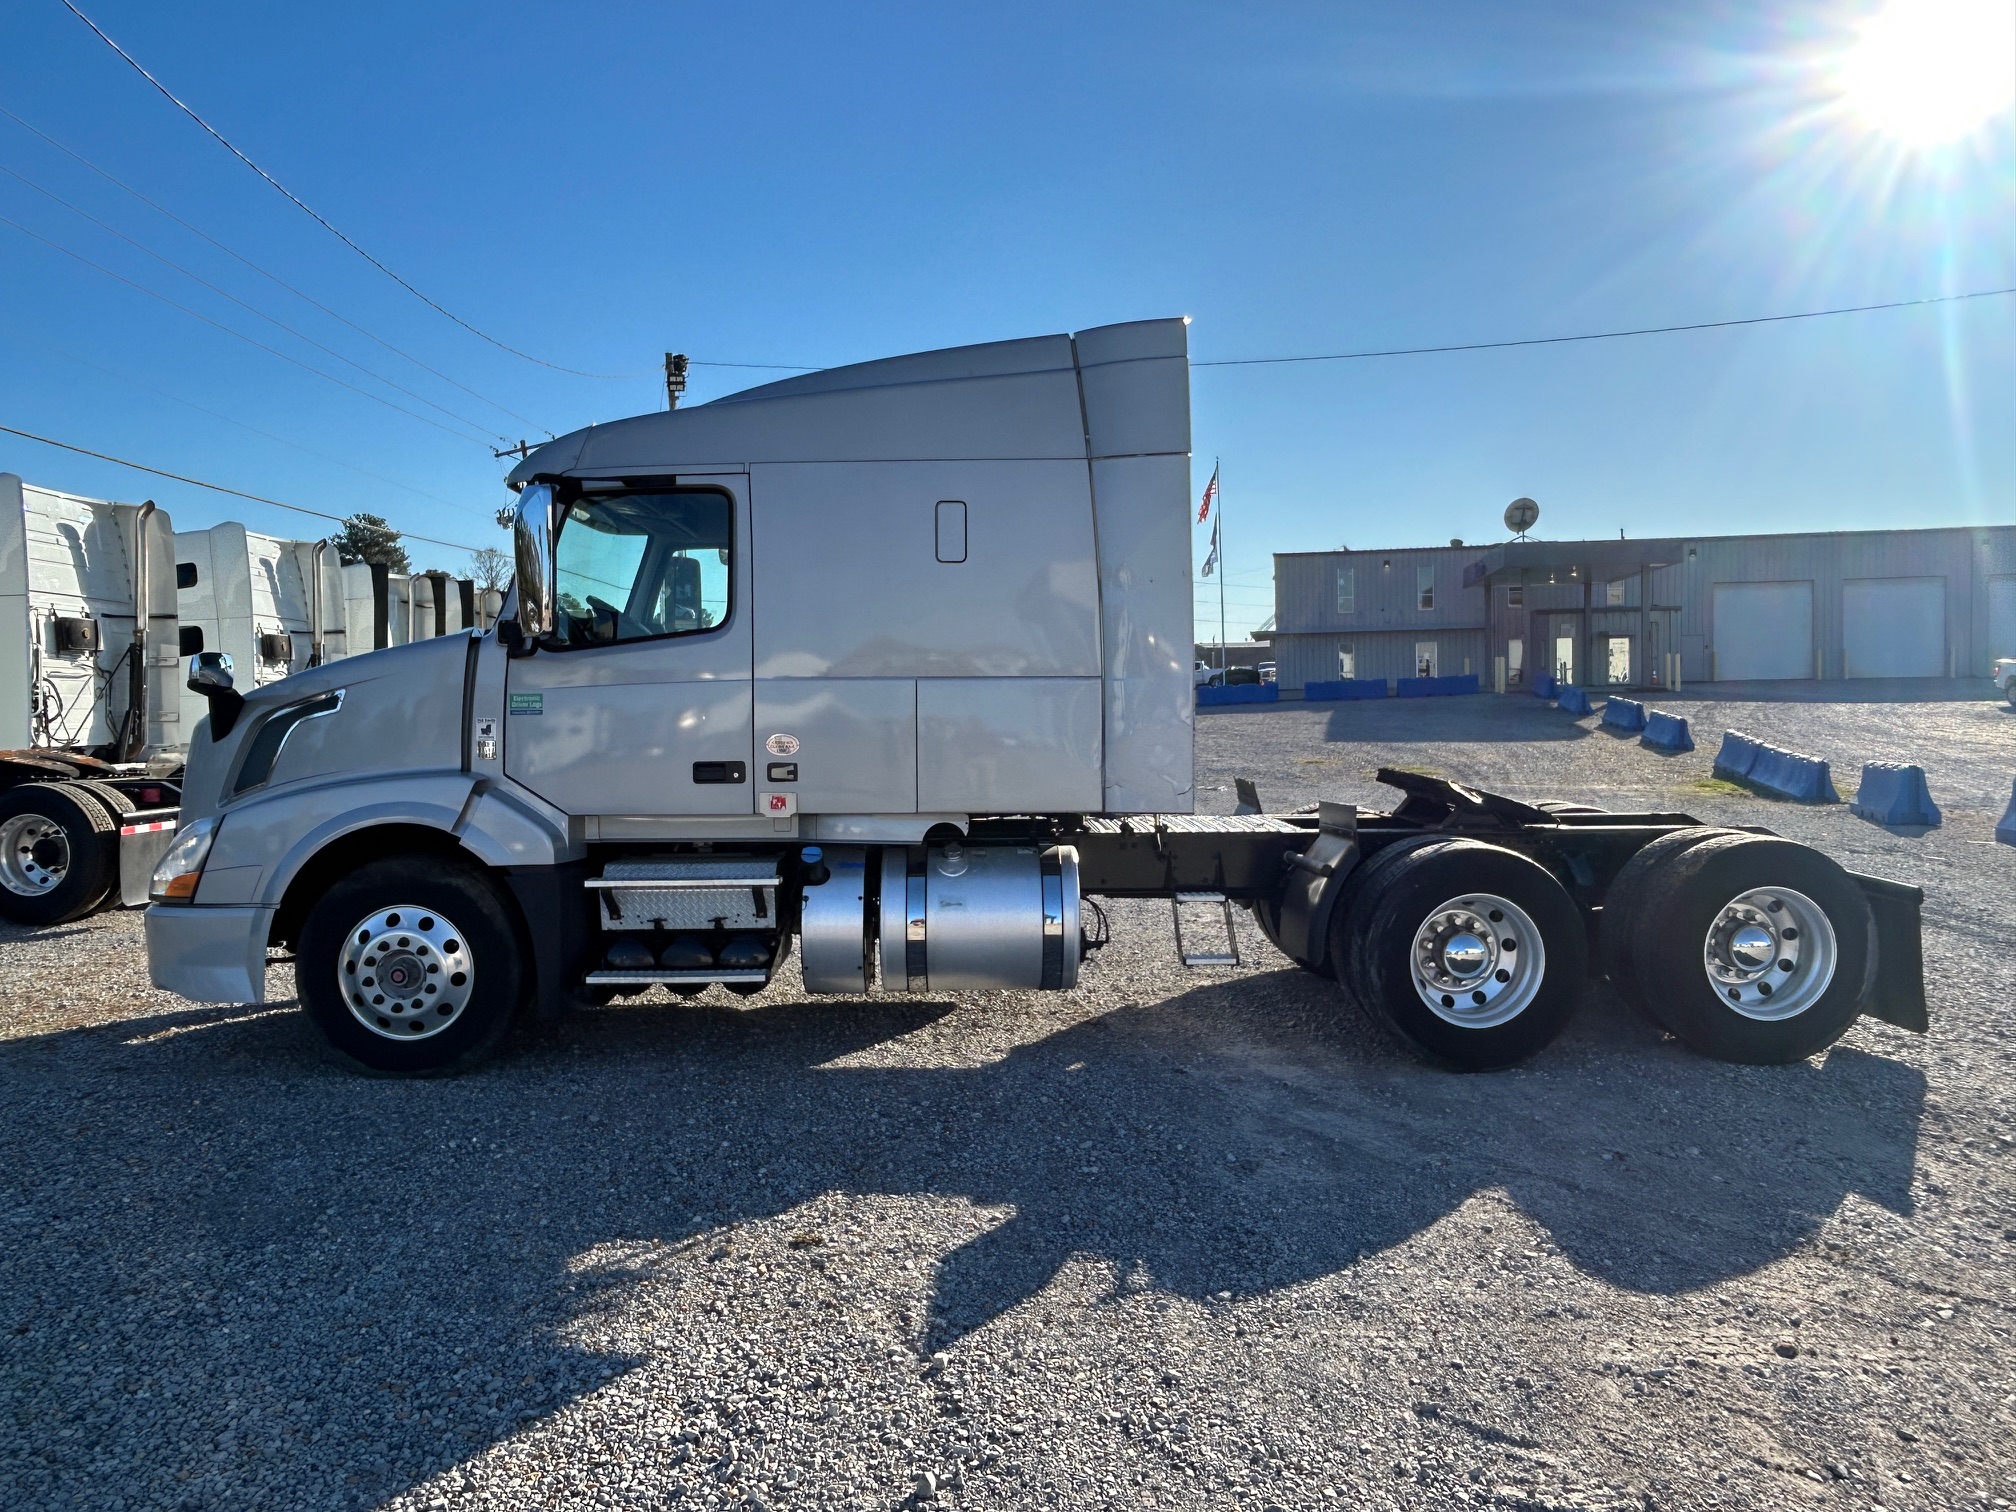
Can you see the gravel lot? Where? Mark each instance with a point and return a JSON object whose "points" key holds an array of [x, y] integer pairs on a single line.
{"points": [[1178, 1239]]}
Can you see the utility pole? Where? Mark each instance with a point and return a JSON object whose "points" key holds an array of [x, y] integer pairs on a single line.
{"points": [[675, 378], [521, 451]]}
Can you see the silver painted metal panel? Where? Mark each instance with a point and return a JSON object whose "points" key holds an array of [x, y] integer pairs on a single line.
{"points": [[853, 741], [850, 585], [209, 955], [1893, 627], [618, 728], [1004, 745], [1146, 633], [402, 708], [1136, 384]]}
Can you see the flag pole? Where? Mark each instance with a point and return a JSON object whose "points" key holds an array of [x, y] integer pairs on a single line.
{"points": [[1222, 658]]}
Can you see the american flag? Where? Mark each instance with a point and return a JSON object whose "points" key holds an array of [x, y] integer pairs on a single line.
{"points": [[1210, 493]]}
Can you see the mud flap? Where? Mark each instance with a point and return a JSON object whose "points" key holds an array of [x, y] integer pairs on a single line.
{"points": [[1897, 996], [560, 928], [1315, 878]]}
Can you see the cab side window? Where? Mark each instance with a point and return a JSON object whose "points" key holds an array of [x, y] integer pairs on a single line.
{"points": [[641, 566]]}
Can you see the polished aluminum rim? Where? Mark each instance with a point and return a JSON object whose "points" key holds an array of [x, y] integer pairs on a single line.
{"points": [[34, 855], [1770, 953], [1478, 961], [406, 972]]}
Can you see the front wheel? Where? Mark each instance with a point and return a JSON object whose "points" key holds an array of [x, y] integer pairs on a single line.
{"points": [[412, 966], [1472, 954]]}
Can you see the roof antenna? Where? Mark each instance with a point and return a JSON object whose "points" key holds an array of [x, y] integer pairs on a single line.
{"points": [[675, 378]]}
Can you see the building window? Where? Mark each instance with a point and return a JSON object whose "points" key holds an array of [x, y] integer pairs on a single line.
{"points": [[1347, 590], [1424, 587], [1427, 657], [1347, 661], [1515, 660], [1515, 596], [1613, 593]]}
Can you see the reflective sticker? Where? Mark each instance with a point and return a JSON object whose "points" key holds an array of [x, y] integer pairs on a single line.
{"points": [[778, 805], [781, 744], [528, 703], [486, 729]]}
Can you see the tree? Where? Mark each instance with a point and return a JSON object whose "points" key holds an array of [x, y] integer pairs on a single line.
{"points": [[491, 568], [367, 538]]}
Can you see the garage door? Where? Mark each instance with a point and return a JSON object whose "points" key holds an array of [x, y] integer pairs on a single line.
{"points": [[2001, 618], [1894, 627], [1763, 630]]}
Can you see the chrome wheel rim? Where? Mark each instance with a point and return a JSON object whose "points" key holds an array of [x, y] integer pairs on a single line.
{"points": [[1770, 953], [34, 855], [1478, 961], [406, 972]]}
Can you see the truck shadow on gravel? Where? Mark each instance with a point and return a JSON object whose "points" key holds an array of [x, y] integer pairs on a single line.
{"points": [[380, 1278]]}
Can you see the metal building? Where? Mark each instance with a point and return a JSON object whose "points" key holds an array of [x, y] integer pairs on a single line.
{"points": [[1826, 605]]}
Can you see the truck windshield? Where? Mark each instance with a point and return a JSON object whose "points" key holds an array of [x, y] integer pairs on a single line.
{"points": [[640, 566]]}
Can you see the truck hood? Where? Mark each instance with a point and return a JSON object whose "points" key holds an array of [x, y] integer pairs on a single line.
{"points": [[400, 710]]}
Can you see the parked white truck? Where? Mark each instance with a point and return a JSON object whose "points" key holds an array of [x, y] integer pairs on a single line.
{"points": [[890, 664], [93, 719]]}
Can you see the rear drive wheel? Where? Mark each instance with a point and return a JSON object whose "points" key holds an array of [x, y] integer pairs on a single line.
{"points": [[412, 966], [1623, 905], [1472, 954], [59, 853], [1267, 914], [1754, 949]]}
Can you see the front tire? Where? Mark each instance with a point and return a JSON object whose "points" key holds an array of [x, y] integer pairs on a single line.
{"points": [[412, 966], [1472, 954], [1762, 951]]}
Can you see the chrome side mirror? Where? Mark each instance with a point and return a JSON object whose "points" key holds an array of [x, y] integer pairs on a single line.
{"points": [[210, 672], [210, 675], [532, 538]]}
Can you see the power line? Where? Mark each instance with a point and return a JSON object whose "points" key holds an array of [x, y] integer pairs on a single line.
{"points": [[314, 215], [236, 493], [1530, 341], [230, 331], [262, 272], [242, 304], [362, 472]]}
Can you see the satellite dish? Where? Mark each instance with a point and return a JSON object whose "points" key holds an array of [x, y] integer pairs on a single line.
{"points": [[1521, 515]]}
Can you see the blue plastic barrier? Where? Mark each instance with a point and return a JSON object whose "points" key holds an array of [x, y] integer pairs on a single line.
{"points": [[1544, 686], [1666, 732], [1238, 693], [1344, 688], [2005, 831], [1737, 756], [1785, 774], [1574, 700], [1893, 793], [1624, 714], [1435, 687]]}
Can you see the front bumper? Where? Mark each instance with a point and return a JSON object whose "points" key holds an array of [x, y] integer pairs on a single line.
{"points": [[209, 955]]}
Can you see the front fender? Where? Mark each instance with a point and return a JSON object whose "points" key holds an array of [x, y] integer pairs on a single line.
{"points": [[264, 842]]}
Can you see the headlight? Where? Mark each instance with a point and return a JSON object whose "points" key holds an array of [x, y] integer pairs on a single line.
{"points": [[181, 868]]}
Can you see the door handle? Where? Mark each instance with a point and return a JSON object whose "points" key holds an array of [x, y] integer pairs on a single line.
{"points": [[720, 771]]}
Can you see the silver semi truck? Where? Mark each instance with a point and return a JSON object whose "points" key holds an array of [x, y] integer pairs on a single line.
{"points": [[890, 665]]}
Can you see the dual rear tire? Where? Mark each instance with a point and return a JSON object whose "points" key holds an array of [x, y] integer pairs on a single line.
{"points": [[1470, 953], [1746, 947], [59, 849]]}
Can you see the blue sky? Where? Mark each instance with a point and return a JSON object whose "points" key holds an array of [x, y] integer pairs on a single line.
{"points": [[820, 184]]}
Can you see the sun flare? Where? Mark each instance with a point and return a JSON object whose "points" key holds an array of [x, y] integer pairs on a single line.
{"points": [[1932, 71]]}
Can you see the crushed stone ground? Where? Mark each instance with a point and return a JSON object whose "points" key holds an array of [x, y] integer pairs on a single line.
{"points": [[1173, 1239]]}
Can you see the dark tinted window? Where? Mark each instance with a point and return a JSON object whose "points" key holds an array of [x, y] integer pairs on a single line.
{"points": [[185, 574]]}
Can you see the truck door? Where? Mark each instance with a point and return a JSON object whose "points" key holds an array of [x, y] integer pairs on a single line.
{"points": [[643, 705]]}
